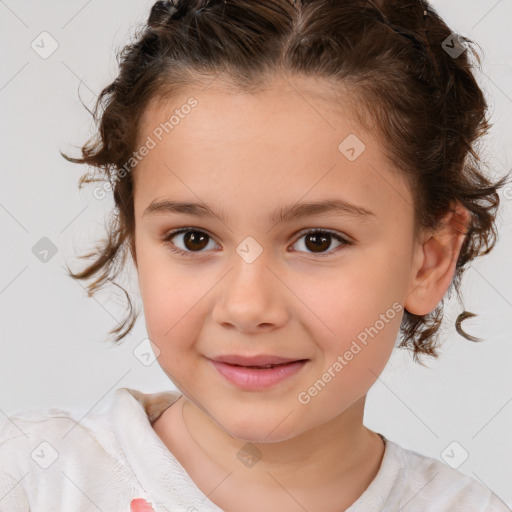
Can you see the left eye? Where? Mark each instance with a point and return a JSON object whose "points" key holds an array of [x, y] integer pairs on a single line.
{"points": [[320, 239], [316, 239]]}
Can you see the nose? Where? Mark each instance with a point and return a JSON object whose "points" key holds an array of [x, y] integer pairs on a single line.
{"points": [[251, 298]]}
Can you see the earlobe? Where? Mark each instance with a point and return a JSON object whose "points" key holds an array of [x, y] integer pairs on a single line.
{"points": [[435, 260]]}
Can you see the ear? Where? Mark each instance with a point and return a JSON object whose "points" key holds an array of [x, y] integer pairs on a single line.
{"points": [[435, 259]]}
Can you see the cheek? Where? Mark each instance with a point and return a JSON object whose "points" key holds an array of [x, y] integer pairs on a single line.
{"points": [[173, 310], [352, 358], [163, 292], [357, 316], [345, 301]]}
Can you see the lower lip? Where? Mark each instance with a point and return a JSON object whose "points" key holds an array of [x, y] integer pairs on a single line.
{"points": [[254, 379]]}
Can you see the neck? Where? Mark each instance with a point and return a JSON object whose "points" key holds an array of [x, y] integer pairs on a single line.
{"points": [[341, 449]]}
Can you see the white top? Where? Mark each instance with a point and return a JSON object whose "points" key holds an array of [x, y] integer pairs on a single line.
{"points": [[61, 460]]}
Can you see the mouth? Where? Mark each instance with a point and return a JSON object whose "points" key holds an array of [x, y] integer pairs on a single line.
{"points": [[257, 361], [257, 377], [267, 366]]}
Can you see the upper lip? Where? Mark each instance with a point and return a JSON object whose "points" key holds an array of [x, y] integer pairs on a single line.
{"points": [[258, 360]]}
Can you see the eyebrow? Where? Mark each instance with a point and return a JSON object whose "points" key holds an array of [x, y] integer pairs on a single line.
{"points": [[284, 214]]}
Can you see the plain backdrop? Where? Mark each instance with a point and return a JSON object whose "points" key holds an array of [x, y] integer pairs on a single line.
{"points": [[52, 348]]}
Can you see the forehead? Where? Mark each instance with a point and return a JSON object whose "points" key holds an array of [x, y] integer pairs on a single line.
{"points": [[286, 141], [284, 109]]}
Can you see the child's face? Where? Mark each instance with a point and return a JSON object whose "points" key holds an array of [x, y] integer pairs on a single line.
{"points": [[338, 306]]}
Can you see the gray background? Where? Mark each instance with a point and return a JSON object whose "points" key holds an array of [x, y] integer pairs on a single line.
{"points": [[52, 352]]}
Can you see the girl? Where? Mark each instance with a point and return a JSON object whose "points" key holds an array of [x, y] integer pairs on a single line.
{"points": [[320, 155]]}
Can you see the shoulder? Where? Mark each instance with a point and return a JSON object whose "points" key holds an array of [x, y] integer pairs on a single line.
{"points": [[42, 449], [28, 429], [428, 484], [82, 456], [36, 436]]}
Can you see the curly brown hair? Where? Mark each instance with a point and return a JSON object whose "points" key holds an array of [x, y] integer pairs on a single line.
{"points": [[412, 85]]}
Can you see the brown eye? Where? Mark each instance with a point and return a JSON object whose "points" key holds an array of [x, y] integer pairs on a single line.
{"points": [[193, 241], [318, 241]]}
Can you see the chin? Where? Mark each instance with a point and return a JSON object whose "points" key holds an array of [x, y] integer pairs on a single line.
{"points": [[261, 431]]}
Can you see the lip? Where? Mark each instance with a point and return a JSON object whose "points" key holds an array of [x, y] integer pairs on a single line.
{"points": [[256, 379], [256, 360]]}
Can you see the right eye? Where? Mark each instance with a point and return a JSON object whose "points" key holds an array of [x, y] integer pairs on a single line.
{"points": [[197, 241]]}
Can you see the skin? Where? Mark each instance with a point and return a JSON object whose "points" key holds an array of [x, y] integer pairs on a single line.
{"points": [[247, 155]]}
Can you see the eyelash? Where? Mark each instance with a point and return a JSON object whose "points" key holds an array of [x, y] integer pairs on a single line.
{"points": [[173, 248]]}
